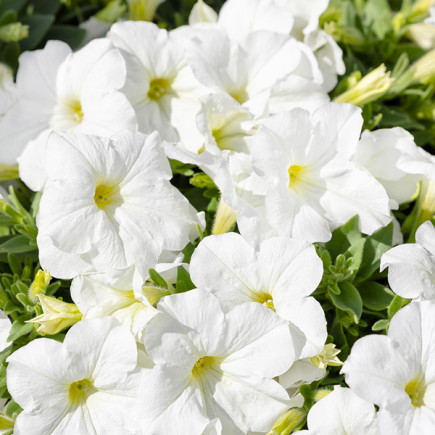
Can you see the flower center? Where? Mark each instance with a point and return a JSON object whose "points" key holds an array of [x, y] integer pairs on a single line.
{"points": [[104, 195], [202, 365], [158, 88], [76, 111], [266, 300], [240, 95], [416, 389], [79, 391], [295, 173]]}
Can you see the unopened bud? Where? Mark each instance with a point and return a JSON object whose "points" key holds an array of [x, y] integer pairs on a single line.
{"points": [[57, 315], [370, 88]]}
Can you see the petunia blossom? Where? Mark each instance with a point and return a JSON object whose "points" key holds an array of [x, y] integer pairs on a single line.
{"points": [[87, 384], [211, 365]]}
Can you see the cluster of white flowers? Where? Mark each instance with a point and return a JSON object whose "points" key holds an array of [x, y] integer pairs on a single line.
{"points": [[244, 96]]}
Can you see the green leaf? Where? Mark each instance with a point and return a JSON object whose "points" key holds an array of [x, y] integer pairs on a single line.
{"points": [[378, 16], [376, 245], [18, 244], [46, 6], [157, 279], [8, 17], [18, 329], [375, 296], [15, 264], [348, 300], [73, 36], [202, 181], [344, 237], [10, 307], [15, 5], [181, 168], [396, 304], [381, 325], [12, 408], [397, 117], [38, 27], [184, 283]]}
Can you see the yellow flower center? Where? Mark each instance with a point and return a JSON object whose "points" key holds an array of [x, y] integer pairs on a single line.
{"points": [[416, 389], [104, 195], [76, 109], [240, 95], [266, 300], [202, 365], [295, 173], [158, 88], [79, 391]]}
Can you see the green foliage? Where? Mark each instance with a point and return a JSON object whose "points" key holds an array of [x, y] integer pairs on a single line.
{"points": [[353, 292]]}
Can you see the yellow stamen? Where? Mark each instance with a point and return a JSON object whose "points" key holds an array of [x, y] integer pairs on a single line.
{"points": [[240, 95], [79, 391], [158, 88], [266, 300], [416, 389], [202, 365], [295, 172], [77, 111], [104, 195]]}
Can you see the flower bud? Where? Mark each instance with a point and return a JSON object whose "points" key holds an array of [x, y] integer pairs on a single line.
{"points": [[424, 68], [13, 32], [142, 10], [225, 218], [39, 284], [370, 88], [288, 422], [57, 316]]}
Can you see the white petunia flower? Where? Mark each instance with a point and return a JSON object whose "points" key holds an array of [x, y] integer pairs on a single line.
{"points": [[85, 385], [211, 365], [109, 204], [341, 412], [7, 89], [122, 294], [160, 84], [280, 275], [397, 372], [313, 186], [384, 153], [202, 13], [65, 92], [411, 267], [5, 330], [263, 69], [298, 18]]}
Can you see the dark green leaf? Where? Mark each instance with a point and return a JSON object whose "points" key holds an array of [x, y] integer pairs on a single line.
{"points": [[344, 237], [15, 5], [38, 28], [348, 300], [184, 283], [376, 245], [73, 36], [50, 7], [375, 296], [157, 279]]}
